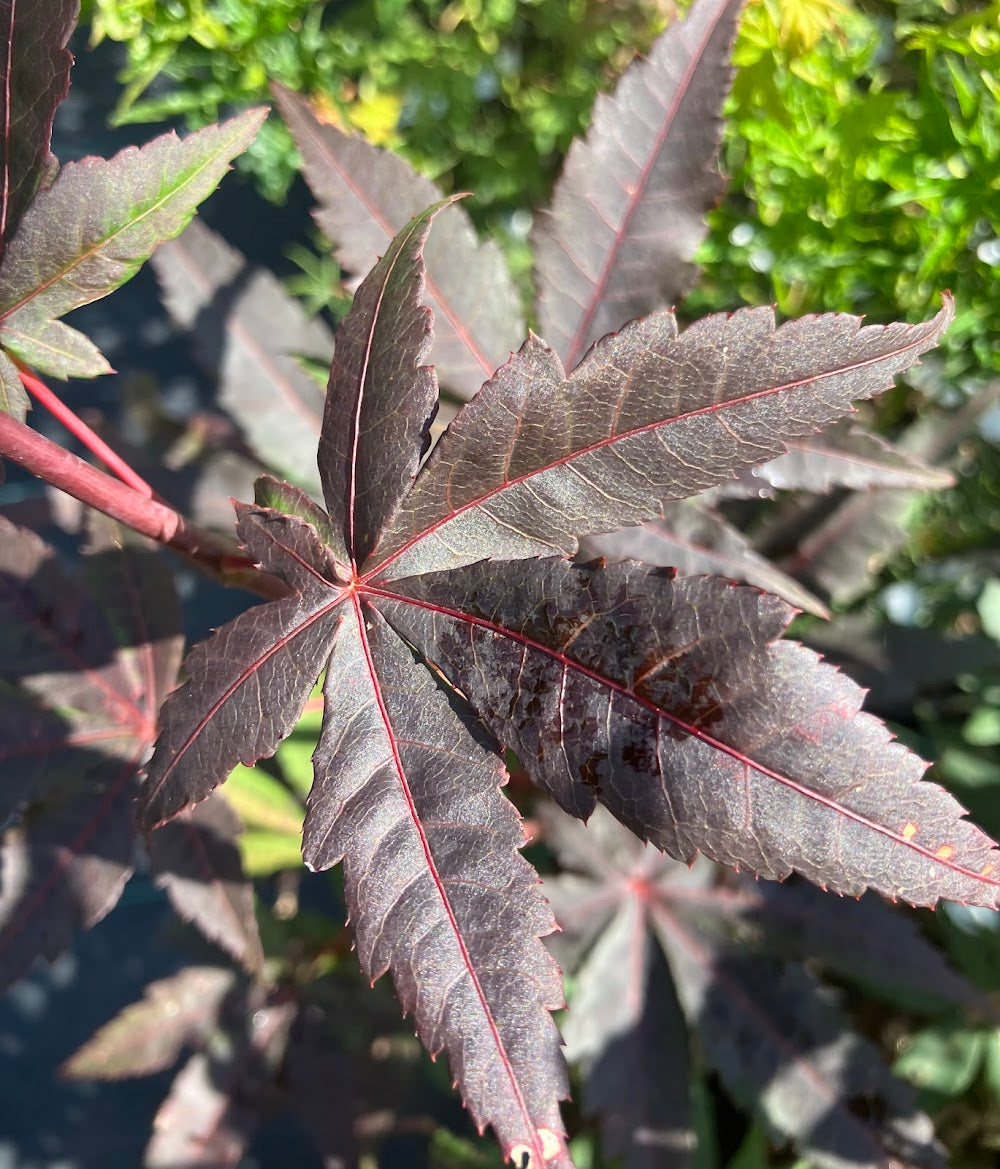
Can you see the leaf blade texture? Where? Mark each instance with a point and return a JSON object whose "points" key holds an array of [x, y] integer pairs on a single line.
{"points": [[538, 458], [624, 685], [92, 229], [435, 888], [628, 211], [35, 65], [366, 196], [247, 333], [205, 731], [379, 386]]}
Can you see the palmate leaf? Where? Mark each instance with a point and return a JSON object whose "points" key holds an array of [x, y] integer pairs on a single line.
{"points": [[769, 1029], [248, 333], [538, 458], [626, 1029], [629, 209], [670, 701], [80, 685], [93, 228], [366, 195], [34, 66]]}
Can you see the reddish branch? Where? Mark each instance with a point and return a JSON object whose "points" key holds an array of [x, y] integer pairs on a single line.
{"points": [[220, 558], [79, 429]]}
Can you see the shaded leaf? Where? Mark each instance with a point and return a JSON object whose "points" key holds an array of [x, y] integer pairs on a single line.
{"points": [[92, 229], [844, 455], [64, 868], [537, 459], [866, 940], [626, 1028], [320, 1085], [148, 1036], [843, 548], [366, 196], [34, 65], [771, 1031], [629, 209], [196, 859], [248, 332], [784, 1051], [695, 540], [216, 1104], [622, 685], [897, 664], [80, 684]]}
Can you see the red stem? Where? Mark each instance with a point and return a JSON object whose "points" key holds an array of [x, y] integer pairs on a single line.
{"points": [[222, 559], [79, 429]]}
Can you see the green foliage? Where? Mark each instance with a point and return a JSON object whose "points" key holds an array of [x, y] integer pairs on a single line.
{"points": [[489, 91], [867, 147], [863, 144]]}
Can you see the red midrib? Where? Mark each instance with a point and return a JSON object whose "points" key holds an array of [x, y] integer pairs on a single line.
{"points": [[362, 381], [98, 245], [470, 968], [5, 178], [712, 408], [611, 259], [206, 719], [688, 728]]}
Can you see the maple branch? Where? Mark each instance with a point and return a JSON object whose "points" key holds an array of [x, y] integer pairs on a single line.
{"points": [[222, 559], [80, 430]]}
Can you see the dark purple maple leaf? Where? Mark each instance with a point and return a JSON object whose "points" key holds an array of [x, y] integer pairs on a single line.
{"points": [[628, 211], [196, 859], [365, 196], [89, 232], [81, 681], [670, 701], [771, 1030]]}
